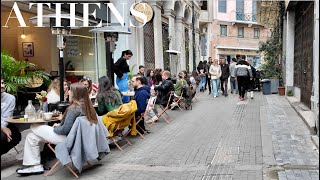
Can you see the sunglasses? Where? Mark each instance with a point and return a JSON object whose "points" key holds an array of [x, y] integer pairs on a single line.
{"points": [[86, 78]]}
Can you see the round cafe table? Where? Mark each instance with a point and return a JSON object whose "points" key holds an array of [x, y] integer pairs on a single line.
{"points": [[22, 121]]}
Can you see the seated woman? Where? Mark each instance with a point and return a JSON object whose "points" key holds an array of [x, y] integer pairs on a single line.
{"points": [[109, 98], [180, 84], [53, 95], [80, 105], [88, 83]]}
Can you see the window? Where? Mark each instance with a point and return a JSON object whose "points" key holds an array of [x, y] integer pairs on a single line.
{"points": [[204, 5], [241, 32], [222, 6], [254, 10], [223, 30], [240, 10], [256, 33]]}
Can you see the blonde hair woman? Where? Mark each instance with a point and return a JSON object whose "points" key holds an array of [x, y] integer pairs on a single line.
{"points": [[53, 95], [215, 72]]}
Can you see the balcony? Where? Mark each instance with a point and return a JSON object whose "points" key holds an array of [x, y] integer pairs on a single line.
{"points": [[247, 17]]}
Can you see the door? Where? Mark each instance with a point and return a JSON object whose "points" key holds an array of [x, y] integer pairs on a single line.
{"points": [[303, 55], [149, 54]]}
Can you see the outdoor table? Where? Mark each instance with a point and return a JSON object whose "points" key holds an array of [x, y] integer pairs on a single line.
{"points": [[19, 121]]}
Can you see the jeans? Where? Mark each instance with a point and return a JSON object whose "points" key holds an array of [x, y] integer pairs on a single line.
{"points": [[215, 86], [202, 82], [234, 84], [208, 81], [35, 141], [224, 85]]}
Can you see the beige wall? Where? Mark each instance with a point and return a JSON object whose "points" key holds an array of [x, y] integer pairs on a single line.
{"points": [[44, 53]]}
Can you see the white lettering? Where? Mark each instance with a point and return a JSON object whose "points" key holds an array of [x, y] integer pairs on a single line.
{"points": [[16, 10], [86, 14], [40, 12], [58, 14], [116, 13], [138, 14], [72, 14]]}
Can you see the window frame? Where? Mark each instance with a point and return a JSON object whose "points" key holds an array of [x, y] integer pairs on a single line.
{"points": [[226, 30], [240, 27], [254, 33], [225, 7]]}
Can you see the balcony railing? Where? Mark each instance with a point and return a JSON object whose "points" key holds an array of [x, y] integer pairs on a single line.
{"points": [[240, 16]]}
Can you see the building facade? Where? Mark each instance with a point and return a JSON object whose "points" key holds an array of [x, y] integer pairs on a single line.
{"points": [[301, 54], [235, 30]]}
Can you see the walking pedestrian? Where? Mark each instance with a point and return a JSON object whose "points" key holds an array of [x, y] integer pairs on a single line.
{"points": [[208, 76], [252, 80], [215, 72], [225, 73], [233, 79], [201, 70], [243, 73]]}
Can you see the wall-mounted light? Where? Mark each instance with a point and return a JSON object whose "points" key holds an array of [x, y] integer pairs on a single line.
{"points": [[23, 36]]}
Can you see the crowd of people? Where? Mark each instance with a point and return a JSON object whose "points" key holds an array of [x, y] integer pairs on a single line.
{"points": [[152, 92], [215, 75]]}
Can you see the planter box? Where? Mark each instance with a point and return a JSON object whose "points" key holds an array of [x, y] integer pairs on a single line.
{"points": [[282, 91]]}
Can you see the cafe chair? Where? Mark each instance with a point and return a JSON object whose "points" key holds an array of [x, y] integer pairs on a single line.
{"points": [[84, 144], [118, 120], [163, 113], [177, 101]]}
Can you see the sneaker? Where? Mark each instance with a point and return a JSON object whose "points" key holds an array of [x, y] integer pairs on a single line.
{"points": [[214, 96], [226, 95], [37, 169]]}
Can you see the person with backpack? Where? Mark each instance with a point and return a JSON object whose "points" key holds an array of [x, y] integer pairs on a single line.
{"points": [[244, 74], [252, 80]]}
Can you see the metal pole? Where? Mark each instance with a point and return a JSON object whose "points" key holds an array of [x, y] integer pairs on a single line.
{"points": [[193, 36], [61, 70]]}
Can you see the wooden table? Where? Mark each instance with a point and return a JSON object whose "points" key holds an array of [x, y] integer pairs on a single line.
{"points": [[20, 121]]}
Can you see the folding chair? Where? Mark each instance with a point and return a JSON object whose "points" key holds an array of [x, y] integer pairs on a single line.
{"points": [[117, 132], [57, 163], [141, 118], [93, 130], [163, 112], [177, 101]]}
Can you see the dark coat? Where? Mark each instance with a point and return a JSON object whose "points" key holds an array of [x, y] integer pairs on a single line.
{"points": [[120, 67], [225, 71], [164, 91], [141, 97]]}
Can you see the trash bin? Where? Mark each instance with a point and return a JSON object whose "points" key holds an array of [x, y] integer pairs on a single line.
{"points": [[266, 86]]}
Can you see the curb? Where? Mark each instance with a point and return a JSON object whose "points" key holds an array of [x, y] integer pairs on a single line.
{"points": [[309, 122]]}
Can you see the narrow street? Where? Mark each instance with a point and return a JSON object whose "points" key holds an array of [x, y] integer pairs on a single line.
{"points": [[221, 138]]}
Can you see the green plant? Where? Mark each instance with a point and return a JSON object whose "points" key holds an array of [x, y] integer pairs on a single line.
{"points": [[14, 74], [130, 74], [290, 93]]}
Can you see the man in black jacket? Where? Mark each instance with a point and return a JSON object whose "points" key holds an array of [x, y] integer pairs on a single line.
{"points": [[208, 76], [225, 73], [164, 89]]}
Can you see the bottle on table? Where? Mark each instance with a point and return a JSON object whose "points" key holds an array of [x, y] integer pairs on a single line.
{"points": [[30, 111]]}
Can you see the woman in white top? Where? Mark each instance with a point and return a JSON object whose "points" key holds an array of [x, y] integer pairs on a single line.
{"points": [[53, 95], [215, 72]]}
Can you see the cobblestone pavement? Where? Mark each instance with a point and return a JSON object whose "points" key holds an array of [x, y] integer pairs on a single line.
{"points": [[221, 138]]}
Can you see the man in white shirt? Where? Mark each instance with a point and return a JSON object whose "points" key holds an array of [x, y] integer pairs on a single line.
{"points": [[10, 135]]}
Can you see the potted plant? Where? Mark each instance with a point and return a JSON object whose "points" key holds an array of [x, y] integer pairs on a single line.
{"points": [[14, 75], [271, 67], [281, 88]]}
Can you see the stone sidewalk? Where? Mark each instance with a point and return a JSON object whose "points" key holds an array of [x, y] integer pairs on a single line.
{"points": [[221, 138]]}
